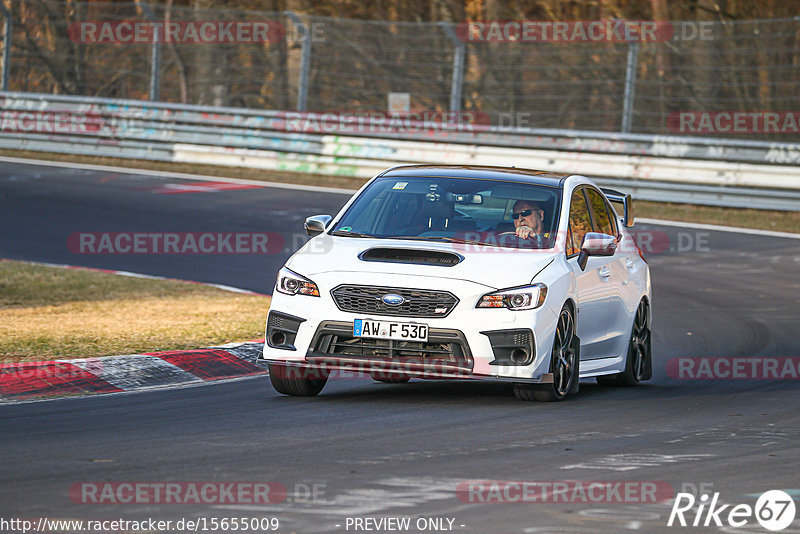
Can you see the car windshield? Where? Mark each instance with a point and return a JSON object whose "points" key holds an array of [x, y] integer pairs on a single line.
{"points": [[452, 210]]}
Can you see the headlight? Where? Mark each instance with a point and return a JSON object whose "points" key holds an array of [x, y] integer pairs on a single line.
{"points": [[292, 283], [516, 298]]}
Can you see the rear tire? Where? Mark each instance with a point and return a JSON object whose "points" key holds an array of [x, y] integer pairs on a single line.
{"points": [[563, 365], [296, 381], [639, 361]]}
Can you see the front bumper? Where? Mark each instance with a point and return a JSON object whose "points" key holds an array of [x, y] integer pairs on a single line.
{"points": [[470, 342]]}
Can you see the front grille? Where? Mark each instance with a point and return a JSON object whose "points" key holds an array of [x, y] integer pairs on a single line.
{"points": [[446, 350], [389, 348], [418, 302]]}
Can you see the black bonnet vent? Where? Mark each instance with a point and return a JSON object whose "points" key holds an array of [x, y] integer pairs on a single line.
{"points": [[405, 255]]}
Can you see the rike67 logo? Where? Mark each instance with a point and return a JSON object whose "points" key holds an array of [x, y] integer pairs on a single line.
{"points": [[774, 510]]}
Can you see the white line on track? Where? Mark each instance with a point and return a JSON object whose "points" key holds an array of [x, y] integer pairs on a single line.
{"points": [[718, 228], [341, 191], [629, 462]]}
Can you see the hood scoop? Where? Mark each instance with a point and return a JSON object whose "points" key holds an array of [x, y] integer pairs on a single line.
{"points": [[410, 255]]}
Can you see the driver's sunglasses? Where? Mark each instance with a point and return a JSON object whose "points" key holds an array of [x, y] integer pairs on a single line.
{"points": [[523, 213]]}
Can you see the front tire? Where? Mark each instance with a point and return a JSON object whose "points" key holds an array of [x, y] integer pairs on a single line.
{"points": [[389, 379], [639, 361], [563, 365], [295, 381]]}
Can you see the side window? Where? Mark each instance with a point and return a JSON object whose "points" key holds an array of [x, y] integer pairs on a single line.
{"points": [[602, 222], [612, 215], [580, 221]]}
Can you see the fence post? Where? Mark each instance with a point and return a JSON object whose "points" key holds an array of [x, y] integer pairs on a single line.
{"points": [[630, 86], [155, 54], [459, 56], [305, 61], [8, 26]]}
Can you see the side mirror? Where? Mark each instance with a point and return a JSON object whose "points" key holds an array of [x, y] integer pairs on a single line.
{"points": [[628, 219], [596, 244], [316, 224], [626, 201]]}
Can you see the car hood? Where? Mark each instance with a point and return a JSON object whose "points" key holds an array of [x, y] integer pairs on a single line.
{"points": [[494, 267]]}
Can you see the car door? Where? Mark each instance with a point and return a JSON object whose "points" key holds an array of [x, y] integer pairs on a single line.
{"points": [[593, 283], [616, 317]]}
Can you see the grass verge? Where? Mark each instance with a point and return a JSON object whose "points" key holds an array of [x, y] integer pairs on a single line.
{"points": [[781, 221], [53, 313]]}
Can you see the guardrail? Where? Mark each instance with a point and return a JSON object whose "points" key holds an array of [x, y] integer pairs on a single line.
{"points": [[676, 169]]}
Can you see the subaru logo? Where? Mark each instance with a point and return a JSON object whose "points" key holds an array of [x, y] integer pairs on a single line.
{"points": [[392, 299]]}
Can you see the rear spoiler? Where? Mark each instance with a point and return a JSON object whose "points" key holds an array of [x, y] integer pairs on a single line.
{"points": [[625, 200]]}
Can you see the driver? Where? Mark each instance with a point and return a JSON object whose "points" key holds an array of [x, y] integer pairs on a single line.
{"points": [[529, 221]]}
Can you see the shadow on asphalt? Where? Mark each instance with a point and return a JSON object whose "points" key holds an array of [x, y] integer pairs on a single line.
{"points": [[426, 392]]}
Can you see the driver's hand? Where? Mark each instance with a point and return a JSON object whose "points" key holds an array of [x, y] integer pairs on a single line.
{"points": [[524, 231]]}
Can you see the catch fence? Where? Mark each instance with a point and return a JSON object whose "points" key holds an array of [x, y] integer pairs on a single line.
{"points": [[709, 71]]}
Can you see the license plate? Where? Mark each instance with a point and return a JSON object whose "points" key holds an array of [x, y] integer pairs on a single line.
{"points": [[390, 330]]}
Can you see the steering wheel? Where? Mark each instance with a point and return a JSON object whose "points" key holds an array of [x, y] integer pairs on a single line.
{"points": [[508, 233]]}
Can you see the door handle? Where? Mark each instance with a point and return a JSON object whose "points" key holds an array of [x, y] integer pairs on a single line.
{"points": [[605, 272], [629, 263]]}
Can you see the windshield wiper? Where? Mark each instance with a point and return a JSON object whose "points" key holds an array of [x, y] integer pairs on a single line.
{"points": [[343, 233], [442, 238]]}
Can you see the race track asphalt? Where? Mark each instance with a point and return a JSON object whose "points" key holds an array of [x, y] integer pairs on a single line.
{"points": [[390, 451]]}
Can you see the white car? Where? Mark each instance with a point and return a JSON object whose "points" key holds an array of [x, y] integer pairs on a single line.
{"points": [[490, 273]]}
